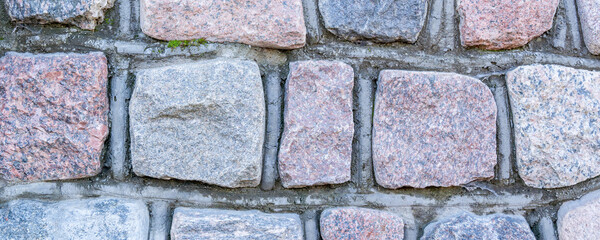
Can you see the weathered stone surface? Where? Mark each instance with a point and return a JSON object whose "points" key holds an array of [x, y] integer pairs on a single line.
{"points": [[432, 129], [199, 121], [262, 23], [85, 14], [579, 219], [493, 24], [103, 218], [470, 226], [189, 223], [380, 21], [589, 15], [316, 144], [54, 110], [360, 223], [556, 115]]}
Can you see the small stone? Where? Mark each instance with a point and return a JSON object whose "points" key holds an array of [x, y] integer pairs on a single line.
{"points": [[360, 223], [589, 15], [316, 145], [470, 226], [103, 218], [506, 24], [54, 110], [189, 223], [579, 219], [432, 129], [556, 115], [379, 21], [261, 23], [201, 121], [86, 14]]}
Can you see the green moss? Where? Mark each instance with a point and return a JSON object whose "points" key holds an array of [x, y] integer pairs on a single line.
{"points": [[186, 43]]}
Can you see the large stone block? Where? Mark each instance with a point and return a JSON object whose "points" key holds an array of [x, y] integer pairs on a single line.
{"points": [[432, 129], [54, 110], [360, 223], [470, 226], [580, 219], [589, 15], [200, 121], [85, 14]]}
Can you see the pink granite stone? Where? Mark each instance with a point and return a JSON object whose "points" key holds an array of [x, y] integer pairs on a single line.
{"points": [[432, 129], [580, 219], [504, 24], [360, 223], [54, 115], [316, 145], [589, 15], [262, 23]]}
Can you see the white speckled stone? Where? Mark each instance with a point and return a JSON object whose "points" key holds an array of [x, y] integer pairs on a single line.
{"points": [[589, 15], [580, 219], [467, 225]]}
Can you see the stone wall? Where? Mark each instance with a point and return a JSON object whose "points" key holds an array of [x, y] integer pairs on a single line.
{"points": [[299, 119]]}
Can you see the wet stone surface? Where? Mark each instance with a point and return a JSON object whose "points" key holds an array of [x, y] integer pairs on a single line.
{"points": [[360, 223], [493, 24], [54, 110], [432, 129], [589, 15], [200, 121], [316, 145], [470, 226], [556, 115], [579, 219], [86, 14]]}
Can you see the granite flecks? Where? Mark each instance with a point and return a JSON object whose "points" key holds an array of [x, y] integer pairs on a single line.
{"points": [[189, 223], [506, 24], [360, 223], [54, 110], [85, 14], [432, 129], [316, 144], [379, 21], [470, 226], [556, 115], [262, 23], [589, 15], [579, 219]]}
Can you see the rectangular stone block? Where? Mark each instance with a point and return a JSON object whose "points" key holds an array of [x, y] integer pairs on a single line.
{"points": [[589, 15], [54, 110], [360, 223], [86, 14], [579, 219], [467, 225]]}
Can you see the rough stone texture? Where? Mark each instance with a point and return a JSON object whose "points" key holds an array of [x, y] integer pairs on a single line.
{"points": [[589, 15], [380, 21], [432, 129], [85, 14], [316, 144], [54, 110], [578, 220], [506, 24], [262, 23], [556, 115], [103, 218], [189, 223], [360, 223], [201, 121], [470, 226]]}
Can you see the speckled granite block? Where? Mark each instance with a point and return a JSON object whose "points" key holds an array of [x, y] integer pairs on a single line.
{"points": [[102, 218], [189, 223], [360, 223], [589, 15], [432, 129], [494, 25], [580, 219], [316, 144], [470, 226], [85, 14], [380, 21], [556, 115], [262, 23], [54, 110], [200, 121]]}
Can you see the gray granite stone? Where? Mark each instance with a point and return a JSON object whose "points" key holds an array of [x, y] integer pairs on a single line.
{"points": [[470, 226], [200, 121], [589, 15], [556, 115], [189, 223], [580, 219], [376, 20], [85, 14]]}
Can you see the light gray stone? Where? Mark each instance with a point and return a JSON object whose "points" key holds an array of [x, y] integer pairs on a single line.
{"points": [[580, 219], [200, 121], [589, 14], [467, 225], [556, 115], [85, 14], [189, 223]]}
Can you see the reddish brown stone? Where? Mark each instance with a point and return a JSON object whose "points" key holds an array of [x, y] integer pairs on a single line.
{"points": [[262, 23], [54, 110], [506, 24], [316, 145], [432, 129], [360, 223]]}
